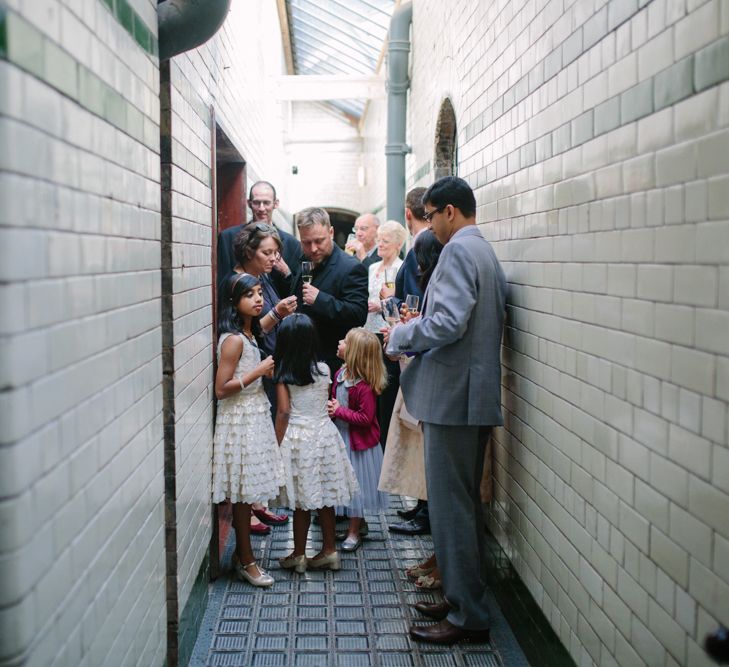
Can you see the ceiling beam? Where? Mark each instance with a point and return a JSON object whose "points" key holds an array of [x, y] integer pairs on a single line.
{"points": [[283, 19], [329, 87]]}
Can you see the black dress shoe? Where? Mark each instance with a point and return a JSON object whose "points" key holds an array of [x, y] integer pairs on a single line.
{"points": [[420, 525], [447, 633], [410, 514], [435, 610]]}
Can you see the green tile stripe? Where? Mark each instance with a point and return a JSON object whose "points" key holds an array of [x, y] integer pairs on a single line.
{"points": [[23, 45], [124, 13], [707, 67]]}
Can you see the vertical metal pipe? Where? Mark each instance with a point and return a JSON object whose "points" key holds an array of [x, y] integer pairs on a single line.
{"points": [[398, 83]]}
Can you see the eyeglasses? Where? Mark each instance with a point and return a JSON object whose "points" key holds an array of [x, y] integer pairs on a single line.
{"points": [[429, 214], [257, 203]]}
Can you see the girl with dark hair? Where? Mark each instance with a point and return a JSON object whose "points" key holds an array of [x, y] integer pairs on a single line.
{"points": [[318, 472], [257, 250], [247, 465]]}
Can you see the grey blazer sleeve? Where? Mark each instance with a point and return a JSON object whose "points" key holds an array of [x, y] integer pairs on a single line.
{"points": [[452, 294]]}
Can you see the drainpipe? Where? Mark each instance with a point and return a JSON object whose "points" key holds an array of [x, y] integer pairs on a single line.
{"points": [[186, 24], [398, 52]]}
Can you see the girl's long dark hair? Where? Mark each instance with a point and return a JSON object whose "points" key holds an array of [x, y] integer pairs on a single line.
{"points": [[427, 251], [234, 288], [295, 354]]}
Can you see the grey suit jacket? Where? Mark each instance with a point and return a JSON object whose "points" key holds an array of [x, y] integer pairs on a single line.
{"points": [[455, 377]]}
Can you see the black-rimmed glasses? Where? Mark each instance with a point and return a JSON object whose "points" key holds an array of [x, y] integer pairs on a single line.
{"points": [[429, 214]]}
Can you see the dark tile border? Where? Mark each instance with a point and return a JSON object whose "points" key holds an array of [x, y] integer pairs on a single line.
{"points": [[125, 15], [530, 627], [26, 47]]}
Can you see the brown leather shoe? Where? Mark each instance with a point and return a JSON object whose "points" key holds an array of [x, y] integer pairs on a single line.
{"points": [[435, 610], [447, 633]]}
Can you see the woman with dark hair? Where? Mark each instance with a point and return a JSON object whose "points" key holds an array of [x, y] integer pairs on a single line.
{"points": [[403, 467], [257, 250], [318, 472], [247, 464]]}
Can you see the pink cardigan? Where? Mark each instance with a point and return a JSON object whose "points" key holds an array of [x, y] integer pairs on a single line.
{"points": [[361, 415]]}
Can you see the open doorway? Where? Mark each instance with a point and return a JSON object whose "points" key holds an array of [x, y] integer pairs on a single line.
{"points": [[229, 195]]}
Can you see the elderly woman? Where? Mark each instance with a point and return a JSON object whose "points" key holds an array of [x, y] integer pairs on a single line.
{"points": [[390, 238]]}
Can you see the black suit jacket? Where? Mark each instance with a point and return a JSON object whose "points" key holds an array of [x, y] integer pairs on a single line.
{"points": [[406, 281], [290, 251], [341, 303], [371, 259]]}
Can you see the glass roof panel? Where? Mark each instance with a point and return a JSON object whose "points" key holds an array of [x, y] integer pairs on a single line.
{"points": [[338, 37]]}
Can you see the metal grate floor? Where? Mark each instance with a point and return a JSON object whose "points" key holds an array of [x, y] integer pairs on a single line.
{"points": [[357, 617]]}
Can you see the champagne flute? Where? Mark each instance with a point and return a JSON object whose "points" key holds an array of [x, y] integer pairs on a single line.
{"points": [[412, 301], [347, 248], [390, 311], [390, 275], [307, 271]]}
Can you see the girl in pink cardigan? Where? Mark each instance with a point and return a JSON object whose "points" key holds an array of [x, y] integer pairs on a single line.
{"points": [[354, 410]]}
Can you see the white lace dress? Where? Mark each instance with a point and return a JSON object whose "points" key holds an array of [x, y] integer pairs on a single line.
{"points": [[318, 471], [247, 465]]}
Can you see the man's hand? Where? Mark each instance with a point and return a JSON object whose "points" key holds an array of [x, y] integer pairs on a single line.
{"points": [[356, 247], [309, 293], [374, 307]]}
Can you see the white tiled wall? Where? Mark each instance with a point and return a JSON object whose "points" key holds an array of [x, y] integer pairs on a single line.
{"points": [[81, 483], [601, 177], [227, 73]]}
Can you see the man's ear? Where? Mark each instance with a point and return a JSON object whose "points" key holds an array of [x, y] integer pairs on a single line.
{"points": [[408, 214], [275, 203], [331, 231]]}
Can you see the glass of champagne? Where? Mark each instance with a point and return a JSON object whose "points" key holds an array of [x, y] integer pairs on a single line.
{"points": [[347, 247], [307, 271], [390, 311], [390, 275], [412, 301]]}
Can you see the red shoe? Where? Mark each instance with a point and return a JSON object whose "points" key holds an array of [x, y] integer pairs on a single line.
{"points": [[270, 517], [260, 529]]}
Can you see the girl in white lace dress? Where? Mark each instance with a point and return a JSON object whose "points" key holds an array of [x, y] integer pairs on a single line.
{"points": [[318, 472], [247, 465]]}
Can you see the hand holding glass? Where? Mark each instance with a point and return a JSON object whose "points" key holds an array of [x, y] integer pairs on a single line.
{"points": [[412, 301], [389, 311], [347, 246], [307, 270]]}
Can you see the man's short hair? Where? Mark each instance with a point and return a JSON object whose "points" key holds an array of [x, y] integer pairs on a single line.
{"points": [[312, 216], [451, 190], [414, 201], [267, 184]]}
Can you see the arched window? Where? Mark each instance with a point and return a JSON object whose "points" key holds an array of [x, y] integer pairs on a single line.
{"points": [[445, 161]]}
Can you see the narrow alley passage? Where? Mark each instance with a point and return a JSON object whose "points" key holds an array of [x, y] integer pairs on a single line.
{"points": [[357, 617]]}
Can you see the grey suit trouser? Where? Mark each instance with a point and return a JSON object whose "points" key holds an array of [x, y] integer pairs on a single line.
{"points": [[454, 458]]}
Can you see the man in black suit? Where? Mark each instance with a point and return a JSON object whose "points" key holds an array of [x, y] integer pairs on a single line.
{"points": [[262, 201], [336, 298], [364, 246]]}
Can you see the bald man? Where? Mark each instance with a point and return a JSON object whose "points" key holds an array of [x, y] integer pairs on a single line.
{"points": [[365, 243]]}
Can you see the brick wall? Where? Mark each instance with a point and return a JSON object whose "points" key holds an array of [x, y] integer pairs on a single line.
{"points": [[596, 136], [81, 488]]}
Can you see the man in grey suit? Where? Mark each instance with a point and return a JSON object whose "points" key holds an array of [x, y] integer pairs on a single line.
{"points": [[453, 386]]}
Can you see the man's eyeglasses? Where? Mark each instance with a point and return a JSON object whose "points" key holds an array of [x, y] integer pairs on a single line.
{"points": [[429, 214], [257, 203]]}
